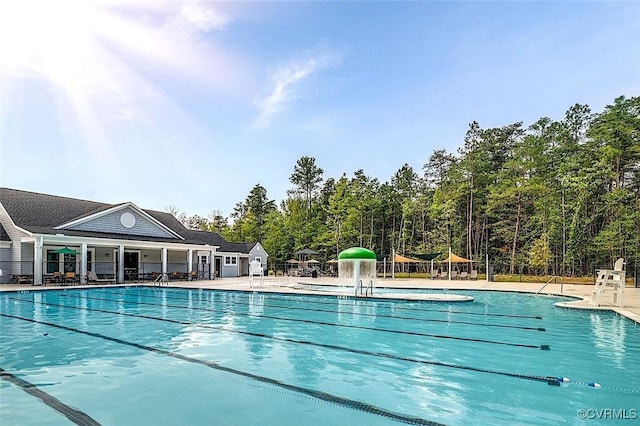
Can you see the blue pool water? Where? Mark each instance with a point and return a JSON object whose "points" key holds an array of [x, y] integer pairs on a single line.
{"points": [[161, 356]]}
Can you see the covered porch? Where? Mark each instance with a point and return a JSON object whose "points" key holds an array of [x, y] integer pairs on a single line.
{"points": [[58, 259]]}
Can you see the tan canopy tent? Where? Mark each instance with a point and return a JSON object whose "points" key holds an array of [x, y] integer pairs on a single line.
{"points": [[402, 259], [454, 258], [407, 264]]}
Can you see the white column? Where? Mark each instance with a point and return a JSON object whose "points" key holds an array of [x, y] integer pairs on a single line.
{"points": [[212, 265], [393, 263], [164, 260], [83, 263], [189, 262], [384, 268], [37, 261], [121, 263], [487, 265], [449, 263], [16, 256]]}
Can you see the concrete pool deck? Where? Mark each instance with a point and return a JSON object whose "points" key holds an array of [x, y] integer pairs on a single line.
{"points": [[296, 285]]}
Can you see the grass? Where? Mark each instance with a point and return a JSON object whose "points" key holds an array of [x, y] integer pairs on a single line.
{"points": [[543, 279], [589, 280]]}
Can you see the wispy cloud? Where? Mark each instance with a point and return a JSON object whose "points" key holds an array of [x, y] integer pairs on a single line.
{"points": [[194, 17], [286, 78]]}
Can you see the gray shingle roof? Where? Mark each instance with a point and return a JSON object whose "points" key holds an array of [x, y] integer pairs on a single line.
{"points": [[42, 213], [29, 209]]}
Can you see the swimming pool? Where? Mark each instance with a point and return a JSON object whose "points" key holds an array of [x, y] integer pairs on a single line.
{"points": [[151, 356]]}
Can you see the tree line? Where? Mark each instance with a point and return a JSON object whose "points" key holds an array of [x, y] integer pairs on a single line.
{"points": [[561, 197]]}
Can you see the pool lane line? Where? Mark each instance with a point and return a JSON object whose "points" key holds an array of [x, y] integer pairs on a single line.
{"points": [[404, 308], [357, 327], [281, 339], [272, 295], [382, 301], [76, 416], [316, 296], [376, 300], [545, 379], [247, 303], [320, 395]]}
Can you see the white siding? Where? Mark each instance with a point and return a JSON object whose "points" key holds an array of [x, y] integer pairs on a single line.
{"points": [[110, 223], [16, 247], [259, 251]]}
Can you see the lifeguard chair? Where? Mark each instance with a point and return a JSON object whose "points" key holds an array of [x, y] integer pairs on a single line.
{"points": [[255, 270], [613, 279]]}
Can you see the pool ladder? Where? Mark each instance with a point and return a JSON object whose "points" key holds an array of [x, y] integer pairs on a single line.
{"points": [[367, 288], [162, 279]]}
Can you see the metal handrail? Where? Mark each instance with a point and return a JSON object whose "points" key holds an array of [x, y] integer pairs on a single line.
{"points": [[547, 283], [369, 287], [162, 279]]}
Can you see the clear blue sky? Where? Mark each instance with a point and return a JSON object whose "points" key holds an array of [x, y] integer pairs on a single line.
{"points": [[192, 103]]}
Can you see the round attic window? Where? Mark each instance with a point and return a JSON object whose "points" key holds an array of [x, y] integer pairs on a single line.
{"points": [[127, 220]]}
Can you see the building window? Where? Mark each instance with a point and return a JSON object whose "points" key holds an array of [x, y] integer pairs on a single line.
{"points": [[258, 258], [53, 260], [230, 260], [89, 261], [70, 263]]}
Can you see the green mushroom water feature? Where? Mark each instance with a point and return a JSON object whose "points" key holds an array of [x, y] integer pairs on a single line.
{"points": [[357, 265]]}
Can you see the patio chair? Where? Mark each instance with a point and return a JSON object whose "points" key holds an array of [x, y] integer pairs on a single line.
{"points": [[463, 275], [473, 275], [454, 275], [70, 278], [444, 275], [434, 275], [25, 279], [92, 277]]}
